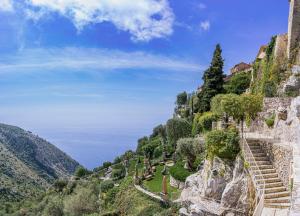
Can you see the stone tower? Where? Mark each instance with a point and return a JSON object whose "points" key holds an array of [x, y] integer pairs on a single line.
{"points": [[294, 27]]}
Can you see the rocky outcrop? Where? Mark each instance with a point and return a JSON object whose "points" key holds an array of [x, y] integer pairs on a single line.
{"points": [[175, 183], [219, 188]]}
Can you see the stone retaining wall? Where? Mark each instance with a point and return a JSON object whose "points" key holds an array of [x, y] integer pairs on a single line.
{"points": [[270, 106], [281, 158]]}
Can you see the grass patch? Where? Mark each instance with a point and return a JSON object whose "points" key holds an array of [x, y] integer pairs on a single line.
{"points": [[155, 184]]}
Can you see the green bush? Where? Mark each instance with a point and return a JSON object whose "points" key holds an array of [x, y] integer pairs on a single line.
{"points": [[270, 121], [81, 172], [54, 208], [83, 202], [119, 171], [203, 122], [178, 172], [238, 84], [60, 184], [221, 143], [106, 185], [270, 89]]}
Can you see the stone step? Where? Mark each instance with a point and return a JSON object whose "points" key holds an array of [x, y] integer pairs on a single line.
{"points": [[259, 154], [278, 206], [277, 195], [270, 175], [275, 190], [268, 181], [255, 147], [268, 171], [262, 167], [262, 158], [263, 163], [253, 144], [254, 151], [273, 185], [278, 200]]}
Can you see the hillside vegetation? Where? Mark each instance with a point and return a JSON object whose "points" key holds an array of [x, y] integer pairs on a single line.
{"points": [[29, 164]]}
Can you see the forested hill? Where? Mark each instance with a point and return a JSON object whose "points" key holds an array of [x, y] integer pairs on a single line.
{"points": [[29, 164]]}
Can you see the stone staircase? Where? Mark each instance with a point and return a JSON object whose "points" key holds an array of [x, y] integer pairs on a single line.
{"points": [[276, 194]]}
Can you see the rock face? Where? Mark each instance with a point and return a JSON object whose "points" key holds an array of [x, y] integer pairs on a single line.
{"points": [[217, 189]]}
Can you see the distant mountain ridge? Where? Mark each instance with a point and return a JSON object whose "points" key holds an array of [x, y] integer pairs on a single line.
{"points": [[29, 164]]}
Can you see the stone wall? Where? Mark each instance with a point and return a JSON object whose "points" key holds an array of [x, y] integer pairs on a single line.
{"points": [[280, 53], [281, 157], [270, 106], [294, 26]]}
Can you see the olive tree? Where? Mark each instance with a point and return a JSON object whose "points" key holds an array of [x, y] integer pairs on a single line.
{"points": [[189, 148]]}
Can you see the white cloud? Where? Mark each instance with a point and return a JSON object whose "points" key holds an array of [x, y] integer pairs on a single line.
{"points": [[205, 25], [89, 59], [6, 5], [143, 19]]}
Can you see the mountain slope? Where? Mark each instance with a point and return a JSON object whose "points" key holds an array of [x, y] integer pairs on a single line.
{"points": [[29, 164]]}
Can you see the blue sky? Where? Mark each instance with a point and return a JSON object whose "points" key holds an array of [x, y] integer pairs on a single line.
{"points": [[93, 76]]}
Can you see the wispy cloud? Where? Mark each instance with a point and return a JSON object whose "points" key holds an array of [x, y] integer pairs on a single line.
{"points": [[90, 59], [205, 25], [143, 19], [6, 5]]}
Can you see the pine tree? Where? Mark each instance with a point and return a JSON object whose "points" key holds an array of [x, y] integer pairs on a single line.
{"points": [[213, 81]]}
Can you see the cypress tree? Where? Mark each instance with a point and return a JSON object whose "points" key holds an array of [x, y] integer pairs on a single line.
{"points": [[213, 81]]}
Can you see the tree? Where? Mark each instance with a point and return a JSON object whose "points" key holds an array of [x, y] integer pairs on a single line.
{"points": [[106, 164], [177, 128], [240, 107], [189, 148], [81, 172], [141, 143], [213, 81], [182, 99], [222, 143], [238, 84], [228, 104]]}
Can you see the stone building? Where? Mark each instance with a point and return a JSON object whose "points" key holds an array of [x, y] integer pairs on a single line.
{"points": [[241, 67]]}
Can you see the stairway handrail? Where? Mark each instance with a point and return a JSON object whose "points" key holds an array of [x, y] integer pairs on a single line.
{"points": [[256, 175]]}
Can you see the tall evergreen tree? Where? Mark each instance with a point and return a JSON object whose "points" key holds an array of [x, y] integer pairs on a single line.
{"points": [[213, 81]]}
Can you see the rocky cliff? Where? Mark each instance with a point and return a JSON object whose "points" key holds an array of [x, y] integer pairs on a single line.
{"points": [[218, 188]]}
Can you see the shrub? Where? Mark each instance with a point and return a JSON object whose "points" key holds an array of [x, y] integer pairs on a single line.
{"points": [[106, 164], [54, 208], [106, 185], [270, 121], [190, 148], [177, 128], [84, 202], [60, 184], [270, 89], [221, 143], [178, 172], [81, 172], [119, 171], [203, 122]]}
